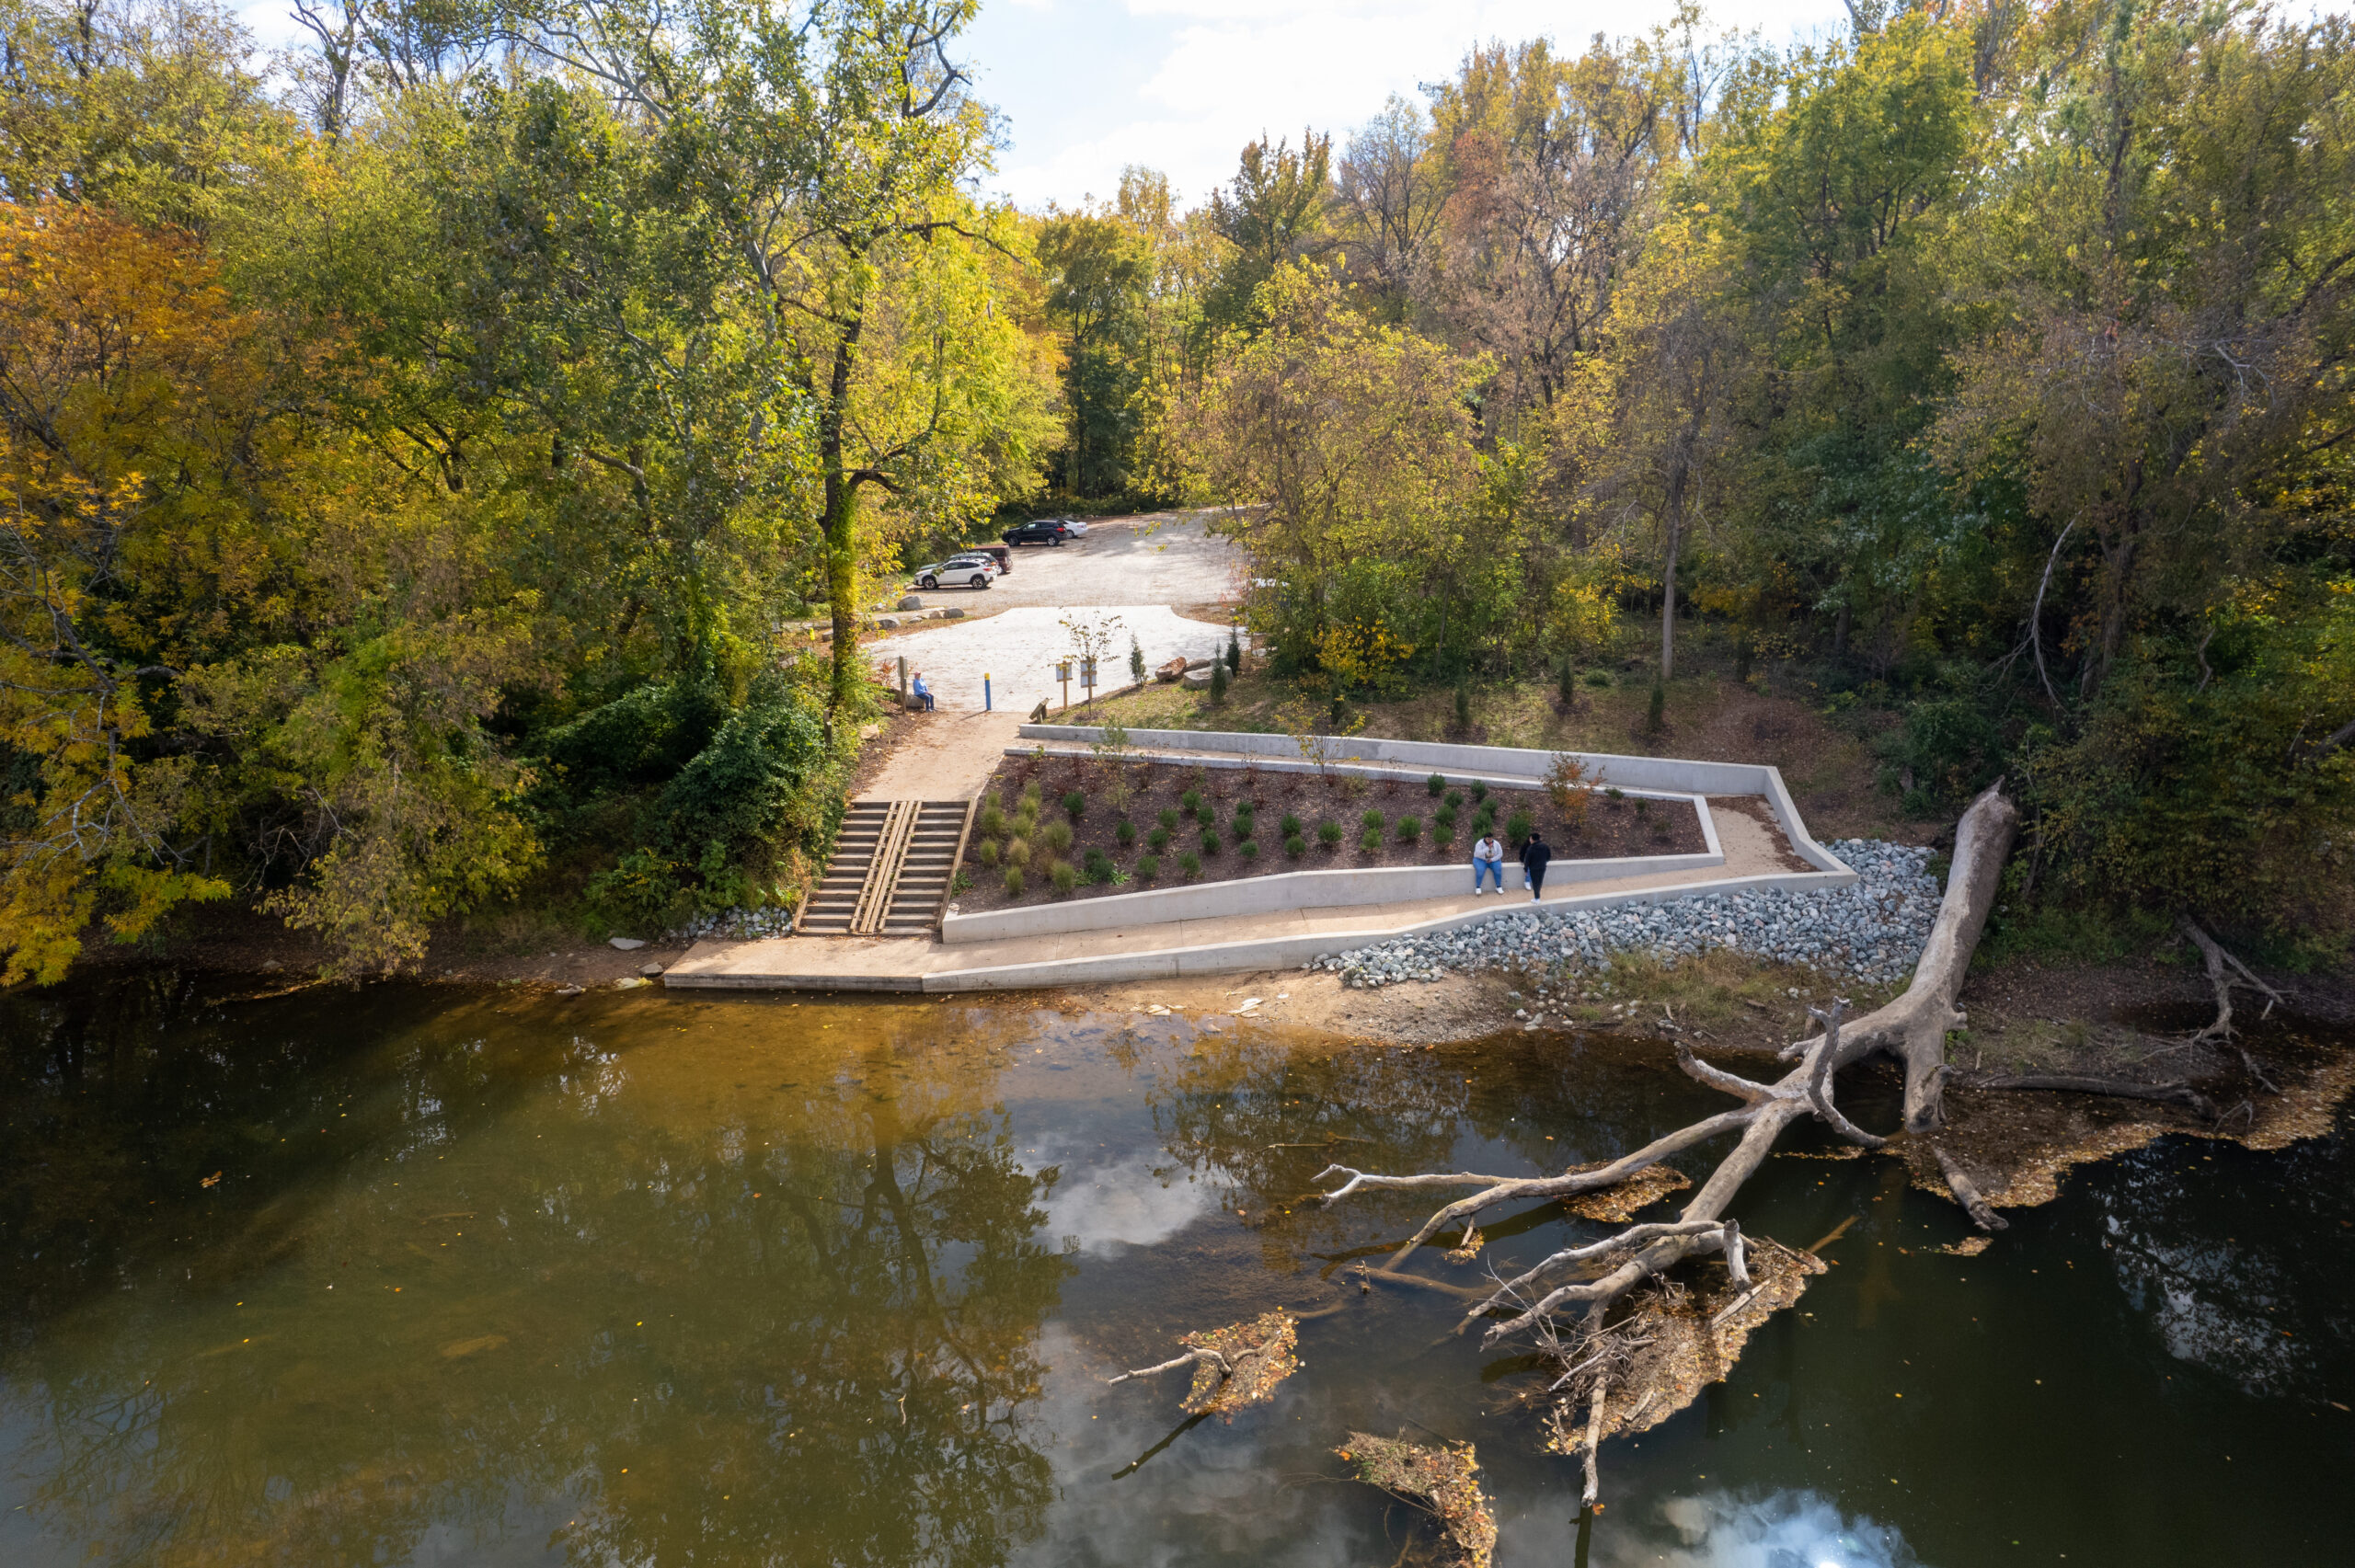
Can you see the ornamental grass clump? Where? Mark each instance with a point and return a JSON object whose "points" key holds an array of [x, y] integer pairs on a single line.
{"points": [[988, 853], [1064, 876], [1058, 836], [1017, 853], [1014, 881]]}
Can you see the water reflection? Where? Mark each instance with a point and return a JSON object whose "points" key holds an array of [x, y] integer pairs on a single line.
{"points": [[1788, 1529], [660, 1318], [646, 1279]]}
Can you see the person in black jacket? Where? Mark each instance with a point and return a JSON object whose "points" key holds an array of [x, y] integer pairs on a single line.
{"points": [[1535, 857]]}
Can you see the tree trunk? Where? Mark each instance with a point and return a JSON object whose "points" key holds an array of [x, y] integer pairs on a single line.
{"points": [[1675, 525]]}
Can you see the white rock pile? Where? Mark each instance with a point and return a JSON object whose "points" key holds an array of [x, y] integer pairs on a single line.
{"points": [[1872, 931], [737, 924]]}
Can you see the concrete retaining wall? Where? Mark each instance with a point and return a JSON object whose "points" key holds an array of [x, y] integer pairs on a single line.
{"points": [[1288, 890], [1290, 952], [1493, 764]]}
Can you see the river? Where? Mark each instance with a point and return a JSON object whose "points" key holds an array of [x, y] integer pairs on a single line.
{"points": [[493, 1278]]}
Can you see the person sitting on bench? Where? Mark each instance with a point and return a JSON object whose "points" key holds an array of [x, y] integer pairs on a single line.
{"points": [[923, 692]]}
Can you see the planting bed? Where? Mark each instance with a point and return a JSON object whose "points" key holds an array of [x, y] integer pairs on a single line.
{"points": [[1612, 828]]}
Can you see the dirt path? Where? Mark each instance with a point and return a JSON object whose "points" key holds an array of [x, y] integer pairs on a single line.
{"points": [[946, 756]]}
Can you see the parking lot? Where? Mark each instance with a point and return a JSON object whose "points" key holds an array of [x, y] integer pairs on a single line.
{"points": [[1161, 558]]}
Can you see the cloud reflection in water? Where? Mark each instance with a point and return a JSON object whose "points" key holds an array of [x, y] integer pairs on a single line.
{"points": [[1786, 1529]]}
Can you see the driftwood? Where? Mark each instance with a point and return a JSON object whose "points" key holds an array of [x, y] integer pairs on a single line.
{"points": [[1913, 1027], [1443, 1481], [1966, 1192], [1234, 1366], [2226, 974], [2117, 1088]]}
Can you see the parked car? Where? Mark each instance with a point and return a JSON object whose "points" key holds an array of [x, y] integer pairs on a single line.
{"points": [[958, 571], [998, 553], [1078, 525], [1038, 531]]}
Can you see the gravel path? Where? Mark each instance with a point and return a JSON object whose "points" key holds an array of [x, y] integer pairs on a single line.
{"points": [[1873, 930]]}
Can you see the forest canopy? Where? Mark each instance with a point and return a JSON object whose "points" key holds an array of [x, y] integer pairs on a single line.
{"points": [[425, 450]]}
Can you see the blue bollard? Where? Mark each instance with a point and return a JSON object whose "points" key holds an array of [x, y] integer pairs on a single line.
{"points": [[986, 692]]}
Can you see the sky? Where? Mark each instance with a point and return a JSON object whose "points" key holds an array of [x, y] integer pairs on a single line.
{"points": [[1088, 86]]}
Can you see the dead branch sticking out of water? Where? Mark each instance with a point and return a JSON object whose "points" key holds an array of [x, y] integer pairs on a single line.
{"points": [[1234, 1366], [1913, 1027], [1442, 1481]]}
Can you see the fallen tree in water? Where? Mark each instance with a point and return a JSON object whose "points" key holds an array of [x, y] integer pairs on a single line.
{"points": [[1599, 1358]]}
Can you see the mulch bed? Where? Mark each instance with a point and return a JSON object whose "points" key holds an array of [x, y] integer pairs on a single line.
{"points": [[1612, 828]]}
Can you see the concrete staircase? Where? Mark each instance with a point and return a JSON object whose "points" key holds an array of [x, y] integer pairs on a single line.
{"points": [[890, 870]]}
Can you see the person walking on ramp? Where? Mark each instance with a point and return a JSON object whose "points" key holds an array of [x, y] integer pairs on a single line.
{"points": [[1487, 858], [1535, 857]]}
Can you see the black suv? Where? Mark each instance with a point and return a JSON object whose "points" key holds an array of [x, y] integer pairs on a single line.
{"points": [[1041, 530]]}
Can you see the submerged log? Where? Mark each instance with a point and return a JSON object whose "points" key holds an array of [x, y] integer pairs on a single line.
{"points": [[1913, 1027], [1442, 1481]]}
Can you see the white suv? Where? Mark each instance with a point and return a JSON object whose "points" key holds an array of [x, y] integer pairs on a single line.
{"points": [[959, 571]]}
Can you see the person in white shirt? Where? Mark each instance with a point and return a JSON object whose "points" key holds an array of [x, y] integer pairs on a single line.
{"points": [[1488, 859]]}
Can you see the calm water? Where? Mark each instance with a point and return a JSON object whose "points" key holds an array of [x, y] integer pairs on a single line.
{"points": [[638, 1279]]}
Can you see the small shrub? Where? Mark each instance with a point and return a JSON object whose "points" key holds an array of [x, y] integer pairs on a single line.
{"points": [[1158, 841], [1482, 821], [1614, 793], [1218, 684], [1017, 853], [1014, 881], [1126, 833], [1370, 841], [1098, 866], [1191, 863], [1409, 830], [1206, 815], [1329, 833], [1598, 679], [1519, 826], [1026, 821], [1210, 840], [1294, 845], [1656, 715], [1148, 868], [1075, 805], [1191, 800], [993, 822], [1243, 812], [1166, 816], [1058, 836], [988, 853], [1662, 833], [1442, 834], [1064, 876], [1566, 690], [1248, 848], [1480, 792], [1643, 807], [1435, 784], [1455, 798], [1234, 652], [1031, 795], [1290, 825], [1374, 819], [1444, 816]]}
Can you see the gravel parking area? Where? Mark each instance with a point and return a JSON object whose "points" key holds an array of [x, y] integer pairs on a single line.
{"points": [[1159, 559]]}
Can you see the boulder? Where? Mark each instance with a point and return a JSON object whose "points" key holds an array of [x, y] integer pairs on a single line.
{"points": [[888, 622], [1198, 680], [952, 613], [628, 943], [910, 602], [1168, 673]]}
